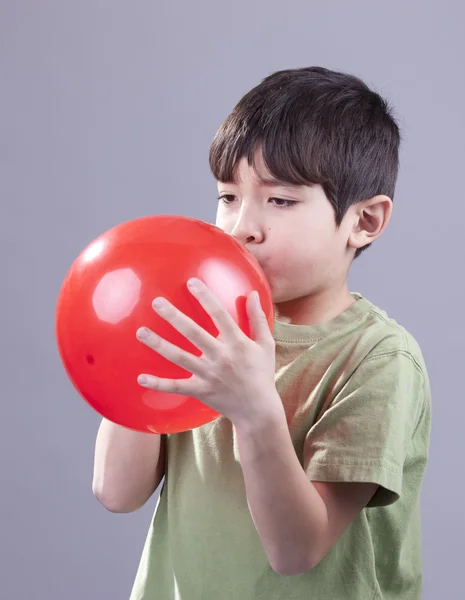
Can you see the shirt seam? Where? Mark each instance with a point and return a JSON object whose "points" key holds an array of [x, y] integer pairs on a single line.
{"points": [[312, 340], [394, 351], [358, 463]]}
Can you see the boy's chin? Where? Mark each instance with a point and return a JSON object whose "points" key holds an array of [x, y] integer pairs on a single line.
{"points": [[279, 317]]}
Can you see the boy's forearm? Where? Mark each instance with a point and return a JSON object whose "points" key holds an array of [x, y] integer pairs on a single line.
{"points": [[288, 512], [128, 466]]}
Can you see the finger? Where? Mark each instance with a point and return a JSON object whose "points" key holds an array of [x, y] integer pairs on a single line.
{"points": [[259, 327], [185, 325], [171, 352], [185, 387], [214, 307]]}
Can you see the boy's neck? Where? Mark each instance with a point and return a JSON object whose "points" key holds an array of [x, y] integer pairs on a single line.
{"points": [[317, 308]]}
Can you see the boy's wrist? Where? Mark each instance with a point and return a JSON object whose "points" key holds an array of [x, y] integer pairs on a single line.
{"points": [[270, 415]]}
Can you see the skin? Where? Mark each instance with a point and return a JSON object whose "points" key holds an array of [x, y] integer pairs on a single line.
{"points": [[291, 231], [305, 257]]}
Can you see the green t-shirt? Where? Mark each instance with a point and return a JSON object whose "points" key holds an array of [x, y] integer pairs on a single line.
{"points": [[357, 399]]}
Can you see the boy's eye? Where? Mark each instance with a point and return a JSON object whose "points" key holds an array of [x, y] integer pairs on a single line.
{"points": [[282, 203], [227, 198], [279, 202]]}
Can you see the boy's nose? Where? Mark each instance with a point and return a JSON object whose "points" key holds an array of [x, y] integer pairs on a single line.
{"points": [[247, 235]]}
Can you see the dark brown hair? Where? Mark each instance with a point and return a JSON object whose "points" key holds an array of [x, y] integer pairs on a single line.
{"points": [[314, 126]]}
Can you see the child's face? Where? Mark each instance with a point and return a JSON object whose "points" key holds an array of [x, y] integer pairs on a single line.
{"points": [[291, 231]]}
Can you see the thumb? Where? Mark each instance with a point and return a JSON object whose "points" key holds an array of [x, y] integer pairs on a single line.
{"points": [[259, 327]]}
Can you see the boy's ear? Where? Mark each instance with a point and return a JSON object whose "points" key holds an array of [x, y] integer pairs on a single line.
{"points": [[369, 218]]}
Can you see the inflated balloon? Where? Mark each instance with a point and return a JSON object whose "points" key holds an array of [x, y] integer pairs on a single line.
{"points": [[107, 295]]}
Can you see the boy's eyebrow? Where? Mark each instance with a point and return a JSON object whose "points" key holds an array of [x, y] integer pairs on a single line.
{"points": [[277, 182], [272, 181]]}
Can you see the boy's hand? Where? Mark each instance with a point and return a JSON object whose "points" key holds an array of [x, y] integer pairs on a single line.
{"points": [[235, 375]]}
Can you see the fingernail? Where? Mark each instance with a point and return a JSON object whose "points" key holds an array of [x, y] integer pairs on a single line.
{"points": [[159, 303], [142, 379], [142, 333], [192, 284]]}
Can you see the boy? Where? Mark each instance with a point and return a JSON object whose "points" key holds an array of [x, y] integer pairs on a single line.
{"points": [[308, 485]]}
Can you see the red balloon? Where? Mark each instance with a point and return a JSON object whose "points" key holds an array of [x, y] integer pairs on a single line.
{"points": [[107, 295]]}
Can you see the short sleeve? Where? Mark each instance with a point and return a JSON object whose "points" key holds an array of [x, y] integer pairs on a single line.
{"points": [[365, 433]]}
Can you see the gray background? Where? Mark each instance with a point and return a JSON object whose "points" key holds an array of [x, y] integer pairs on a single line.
{"points": [[107, 111]]}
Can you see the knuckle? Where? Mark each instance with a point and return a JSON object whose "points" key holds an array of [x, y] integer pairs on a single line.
{"points": [[152, 383], [226, 359], [239, 344], [183, 359], [172, 315], [206, 392], [176, 355], [196, 337], [154, 340], [263, 321], [198, 388], [270, 341], [216, 313]]}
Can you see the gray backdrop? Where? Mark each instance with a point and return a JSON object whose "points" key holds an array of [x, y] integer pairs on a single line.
{"points": [[107, 111]]}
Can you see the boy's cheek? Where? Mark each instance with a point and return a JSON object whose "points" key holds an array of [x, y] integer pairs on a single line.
{"points": [[223, 221]]}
